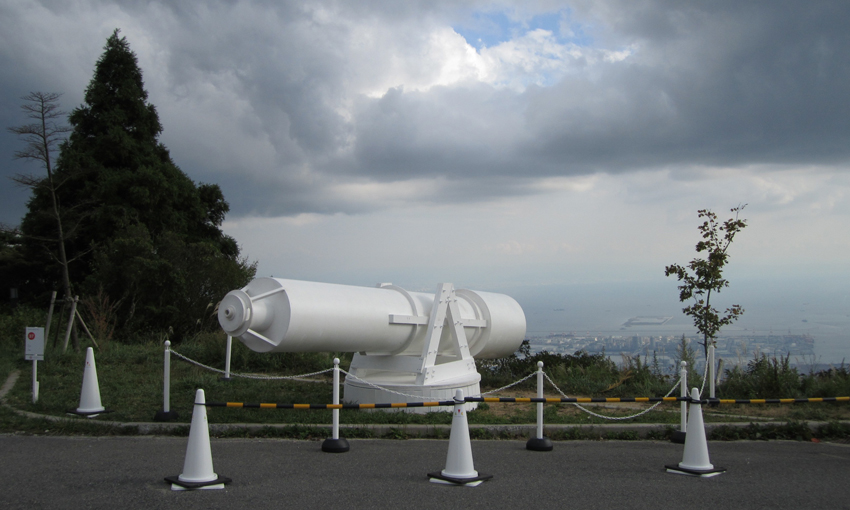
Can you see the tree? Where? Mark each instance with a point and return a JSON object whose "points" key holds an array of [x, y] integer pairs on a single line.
{"points": [[702, 277], [686, 353], [42, 138], [145, 230]]}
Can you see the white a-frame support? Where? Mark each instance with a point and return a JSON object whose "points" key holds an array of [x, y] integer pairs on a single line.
{"points": [[445, 313], [454, 362]]}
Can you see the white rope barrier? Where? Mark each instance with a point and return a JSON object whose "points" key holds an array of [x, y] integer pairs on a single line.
{"points": [[421, 397], [704, 377], [588, 411], [379, 387], [508, 386], [250, 376]]}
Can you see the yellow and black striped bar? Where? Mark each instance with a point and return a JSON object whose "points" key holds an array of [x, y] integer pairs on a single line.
{"points": [[396, 405], [393, 405], [530, 400], [539, 400], [778, 400]]}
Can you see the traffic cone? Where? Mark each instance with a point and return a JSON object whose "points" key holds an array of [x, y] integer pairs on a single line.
{"points": [[90, 405], [695, 461], [198, 466], [459, 466]]}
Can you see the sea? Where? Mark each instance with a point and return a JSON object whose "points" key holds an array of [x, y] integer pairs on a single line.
{"points": [[816, 307]]}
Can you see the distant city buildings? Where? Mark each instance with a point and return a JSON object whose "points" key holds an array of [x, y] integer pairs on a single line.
{"points": [[738, 350]]}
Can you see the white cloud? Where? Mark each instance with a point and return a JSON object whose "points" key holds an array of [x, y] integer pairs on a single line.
{"points": [[379, 140]]}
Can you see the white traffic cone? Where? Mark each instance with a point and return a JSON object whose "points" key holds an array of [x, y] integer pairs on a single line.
{"points": [[198, 466], [90, 405], [695, 461], [459, 466]]}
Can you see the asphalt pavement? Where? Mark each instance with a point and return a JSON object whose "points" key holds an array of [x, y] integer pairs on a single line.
{"points": [[128, 472]]}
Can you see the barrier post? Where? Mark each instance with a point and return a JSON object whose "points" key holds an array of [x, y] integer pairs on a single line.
{"points": [[166, 414], [711, 370], [34, 381], [335, 444], [679, 435], [226, 376], [539, 443]]}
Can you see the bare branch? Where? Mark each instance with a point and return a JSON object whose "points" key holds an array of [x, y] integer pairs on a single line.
{"points": [[41, 138], [29, 181]]}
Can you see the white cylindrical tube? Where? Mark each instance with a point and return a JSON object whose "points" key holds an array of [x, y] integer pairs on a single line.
{"points": [[277, 315]]}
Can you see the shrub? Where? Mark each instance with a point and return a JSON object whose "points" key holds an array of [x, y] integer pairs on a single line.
{"points": [[764, 377]]}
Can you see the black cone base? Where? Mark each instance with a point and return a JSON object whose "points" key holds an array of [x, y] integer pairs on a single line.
{"points": [[539, 444], [331, 445], [677, 437], [196, 485], [674, 468], [165, 416], [88, 414], [459, 481]]}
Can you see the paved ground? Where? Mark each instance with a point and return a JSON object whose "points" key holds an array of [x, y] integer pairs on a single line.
{"points": [[127, 472]]}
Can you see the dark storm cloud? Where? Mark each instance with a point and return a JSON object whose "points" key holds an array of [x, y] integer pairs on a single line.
{"points": [[735, 84]]}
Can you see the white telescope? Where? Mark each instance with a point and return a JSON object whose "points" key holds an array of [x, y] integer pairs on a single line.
{"points": [[419, 346]]}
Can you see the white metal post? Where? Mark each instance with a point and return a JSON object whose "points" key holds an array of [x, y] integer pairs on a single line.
{"points": [[335, 444], [538, 443], [34, 381], [335, 433], [540, 395], [166, 380], [227, 357], [683, 374], [711, 370]]}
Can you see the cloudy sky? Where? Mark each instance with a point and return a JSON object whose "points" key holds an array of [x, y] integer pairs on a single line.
{"points": [[495, 145]]}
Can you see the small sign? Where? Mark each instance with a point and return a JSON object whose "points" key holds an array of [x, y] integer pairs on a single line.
{"points": [[34, 344]]}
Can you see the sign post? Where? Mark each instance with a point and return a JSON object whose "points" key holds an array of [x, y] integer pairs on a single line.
{"points": [[34, 350]]}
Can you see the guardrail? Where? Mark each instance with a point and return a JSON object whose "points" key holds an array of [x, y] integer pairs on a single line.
{"points": [[539, 442]]}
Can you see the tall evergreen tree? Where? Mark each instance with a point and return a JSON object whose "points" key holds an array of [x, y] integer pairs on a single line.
{"points": [[148, 236]]}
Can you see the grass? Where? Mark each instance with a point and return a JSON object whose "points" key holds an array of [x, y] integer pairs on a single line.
{"points": [[131, 385]]}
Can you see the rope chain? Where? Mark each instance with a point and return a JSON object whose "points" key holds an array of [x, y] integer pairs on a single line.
{"points": [[249, 376], [378, 387], [588, 411], [704, 378], [420, 397], [509, 385]]}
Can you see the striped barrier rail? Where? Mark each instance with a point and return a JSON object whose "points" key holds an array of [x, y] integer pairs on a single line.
{"points": [[777, 400], [393, 405], [531, 400], [440, 403]]}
